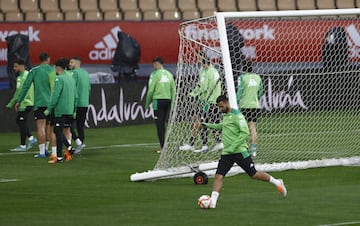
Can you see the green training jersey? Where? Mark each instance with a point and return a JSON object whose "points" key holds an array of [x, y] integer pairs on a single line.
{"points": [[38, 75], [250, 90], [29, 96], [83, 86], [64, 98], [161, 86], [209, 86], [235, 133], [52, 77]]}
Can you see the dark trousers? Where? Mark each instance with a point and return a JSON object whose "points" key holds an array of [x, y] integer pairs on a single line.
{"points": [[160, 118], [61, 123], [79, 121], [22, 121]]}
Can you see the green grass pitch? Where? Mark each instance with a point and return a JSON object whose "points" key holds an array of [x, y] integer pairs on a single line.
{"points": [[95, 189]]}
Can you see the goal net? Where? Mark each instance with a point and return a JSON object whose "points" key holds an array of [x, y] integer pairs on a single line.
{"points": [[309, 65]]}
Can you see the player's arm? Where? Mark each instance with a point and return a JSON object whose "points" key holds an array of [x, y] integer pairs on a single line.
{"points": [[216, 126], [13, 100], [150, 92], [26, 86]]}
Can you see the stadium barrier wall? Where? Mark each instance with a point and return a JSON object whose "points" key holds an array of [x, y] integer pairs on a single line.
{"points": [[110, 105]]}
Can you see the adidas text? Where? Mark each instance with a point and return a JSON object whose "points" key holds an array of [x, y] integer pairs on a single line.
{"points": [[105, 54]]}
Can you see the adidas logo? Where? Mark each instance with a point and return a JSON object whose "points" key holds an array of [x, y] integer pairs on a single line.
{"points": [[105, 49], [353, 39]]}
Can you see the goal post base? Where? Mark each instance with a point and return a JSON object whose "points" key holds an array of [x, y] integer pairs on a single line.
{"points": [[210, 168]]}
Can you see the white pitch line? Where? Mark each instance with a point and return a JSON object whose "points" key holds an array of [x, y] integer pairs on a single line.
{"points": [[90, 148], [8, 180], [342, 223]]}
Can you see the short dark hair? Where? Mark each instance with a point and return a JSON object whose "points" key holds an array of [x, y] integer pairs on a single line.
{"points": [[158, 59], [62, 62], [43, 56], [76, 58], [222, 98], [19, 61]]}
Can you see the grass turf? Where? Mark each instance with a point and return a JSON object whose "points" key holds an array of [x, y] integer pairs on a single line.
{"points": [[95, 189]]}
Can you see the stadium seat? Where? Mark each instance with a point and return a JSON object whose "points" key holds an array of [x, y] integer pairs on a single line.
{"points": [[148, 5], [165, 5], [190, 14], [267, 5], [93, 15], [286, 4], [108, 5], [126, 5], [9, 6], [29, 5], [69, 5], [49, 5], [207, 5], [54, 16], [247, 5], [113, 15], [325, 4], [227, 5], [134, 15], [171, 14], [344, 4], [34, 16], [152, 15], [89, 6], [306, 4], [73, 16], [207, 13], [187, 5], [14, 16]]}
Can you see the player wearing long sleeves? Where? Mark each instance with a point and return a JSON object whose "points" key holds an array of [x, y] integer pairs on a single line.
{"points": [[206, 92], [83, 86], [39, 77], [235, 133], [161, 93], [250, 91], [63, 102], [26, 106]]}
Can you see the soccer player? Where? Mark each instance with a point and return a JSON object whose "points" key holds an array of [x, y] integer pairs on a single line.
{"points": [[83, 86], [161, 93], [26, 106], [250, 90], [207, 90], [63, 102], [235, 133], [39, 76]]}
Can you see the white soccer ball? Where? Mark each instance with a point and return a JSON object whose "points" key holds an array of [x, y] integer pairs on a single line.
{"points": [[204, 202]]}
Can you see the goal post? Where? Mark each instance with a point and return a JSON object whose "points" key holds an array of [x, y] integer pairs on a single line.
{"points": [[308, 61]]}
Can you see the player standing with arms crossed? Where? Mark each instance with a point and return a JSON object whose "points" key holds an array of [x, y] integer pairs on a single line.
{"points": [[235, 133]]}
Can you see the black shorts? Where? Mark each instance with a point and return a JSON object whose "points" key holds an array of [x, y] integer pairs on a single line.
{"points": [[227, 161], [63, 121], [39, 113], [23, 115], [51, 118], [251, 114]]}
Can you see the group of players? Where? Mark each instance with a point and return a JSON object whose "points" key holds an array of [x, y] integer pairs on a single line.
{"points": [[59, 96]]}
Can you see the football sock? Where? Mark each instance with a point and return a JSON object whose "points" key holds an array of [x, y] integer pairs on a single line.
{"points": [[214, 197], [53, 151], [78, 142], [42, 149], [274, 181], [47, 145]]}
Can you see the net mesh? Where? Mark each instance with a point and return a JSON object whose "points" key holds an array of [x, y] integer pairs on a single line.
{"points": [[309, 68]]}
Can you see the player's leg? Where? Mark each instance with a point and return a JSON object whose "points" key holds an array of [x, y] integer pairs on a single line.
{"points": [[80, 127], [224, 165], [68, 121], [163, 106], [20, 121], [58, 130], [51, 134], [41, 131], [247, 164], [31, 138]]}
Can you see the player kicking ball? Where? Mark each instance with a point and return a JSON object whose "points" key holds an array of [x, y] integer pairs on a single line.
{"points": [[235, 134]]}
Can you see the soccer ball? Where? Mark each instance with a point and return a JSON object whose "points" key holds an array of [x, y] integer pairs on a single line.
{"points": [[204, 202]]}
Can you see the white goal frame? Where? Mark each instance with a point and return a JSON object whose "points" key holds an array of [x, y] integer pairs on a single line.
{"points": [[209, 168]]}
